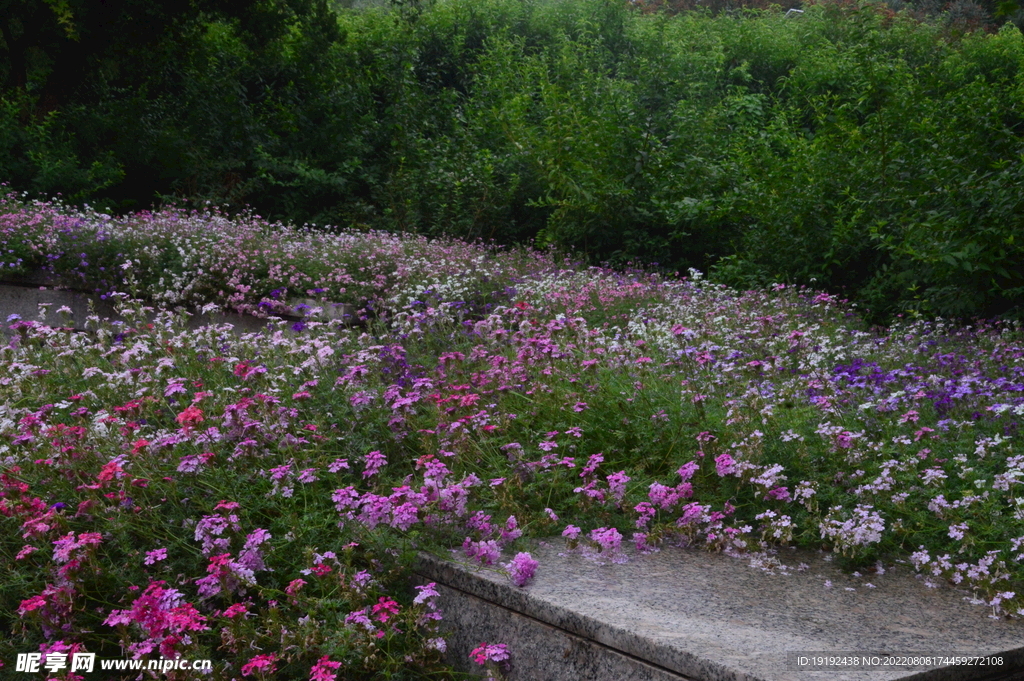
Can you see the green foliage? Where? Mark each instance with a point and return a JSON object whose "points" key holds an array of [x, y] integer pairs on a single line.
{"points": [[42, 156], [865, 151]]}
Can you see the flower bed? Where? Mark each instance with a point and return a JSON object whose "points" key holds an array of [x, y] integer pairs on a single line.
{"points": [[256, 499], [245, 264]]}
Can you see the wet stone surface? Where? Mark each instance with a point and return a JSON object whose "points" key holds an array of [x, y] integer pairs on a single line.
{"points": [[689, 614], [24, 299]]}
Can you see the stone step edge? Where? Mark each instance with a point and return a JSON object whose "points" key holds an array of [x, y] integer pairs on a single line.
{"points": [[463, 577], [300, 310], [469, 578], [569, 656]]}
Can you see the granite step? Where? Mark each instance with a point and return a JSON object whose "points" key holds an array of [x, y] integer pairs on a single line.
{"points": [[24, 297], [685, 614]]}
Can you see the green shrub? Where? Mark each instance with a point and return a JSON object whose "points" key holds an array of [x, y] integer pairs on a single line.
{"points": [[851, 147]]}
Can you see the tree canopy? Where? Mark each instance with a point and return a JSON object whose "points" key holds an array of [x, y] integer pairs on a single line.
{"points": [[63, 51]]}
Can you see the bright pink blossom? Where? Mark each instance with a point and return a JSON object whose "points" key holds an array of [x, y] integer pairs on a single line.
{"points": [[31, 604], [325, 669], [234, 610], [484, 653], [25, 552], [261, 664], [385, 608]]}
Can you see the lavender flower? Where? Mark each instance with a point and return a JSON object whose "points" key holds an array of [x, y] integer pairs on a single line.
{"points": [[521, 569]]}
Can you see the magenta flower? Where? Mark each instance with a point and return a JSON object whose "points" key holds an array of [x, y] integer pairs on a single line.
{"points": [[67, 544], [235, 610], [663, 496], [385, 608], [89, 539], [194, 463], [281, 472], [185, 618], [687, 470], [337, 465], [645, 512], [425, 593], [404, 516], [642, 545], [154, 556], [692, 513], [480, 522], [484, 552], [30, 604], [373, 463], [257, 537], [521, 569], [25, 552], [511, 531], [725, 465], [261, 664], [210, 529], [910, 417], [608, 538], [593, 462], [175, 386], [324, 670], [375, 510], [359, 617], [485, 653], [63, 548], [617, 485]]}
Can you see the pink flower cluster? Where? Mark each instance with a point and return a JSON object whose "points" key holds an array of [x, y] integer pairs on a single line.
{"points": [[521, 568]]}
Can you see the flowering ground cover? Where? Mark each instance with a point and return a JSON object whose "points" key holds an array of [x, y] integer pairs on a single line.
{"points": [[244, 264], [257, 499]]}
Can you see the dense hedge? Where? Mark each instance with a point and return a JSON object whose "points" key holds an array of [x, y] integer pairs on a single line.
{"points": [[862, 150]]}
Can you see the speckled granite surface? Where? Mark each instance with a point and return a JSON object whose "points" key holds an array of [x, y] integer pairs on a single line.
{"points": [[24, 301], [540, 652], [710, 617]]}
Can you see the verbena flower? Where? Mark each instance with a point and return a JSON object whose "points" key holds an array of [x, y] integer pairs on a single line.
{"points": [[521, 568], [325, 669], [494, 652], [260, 664]]}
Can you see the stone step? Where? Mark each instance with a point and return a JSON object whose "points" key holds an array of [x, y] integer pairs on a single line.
{"points": [[688, 614], [23, 298]]}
